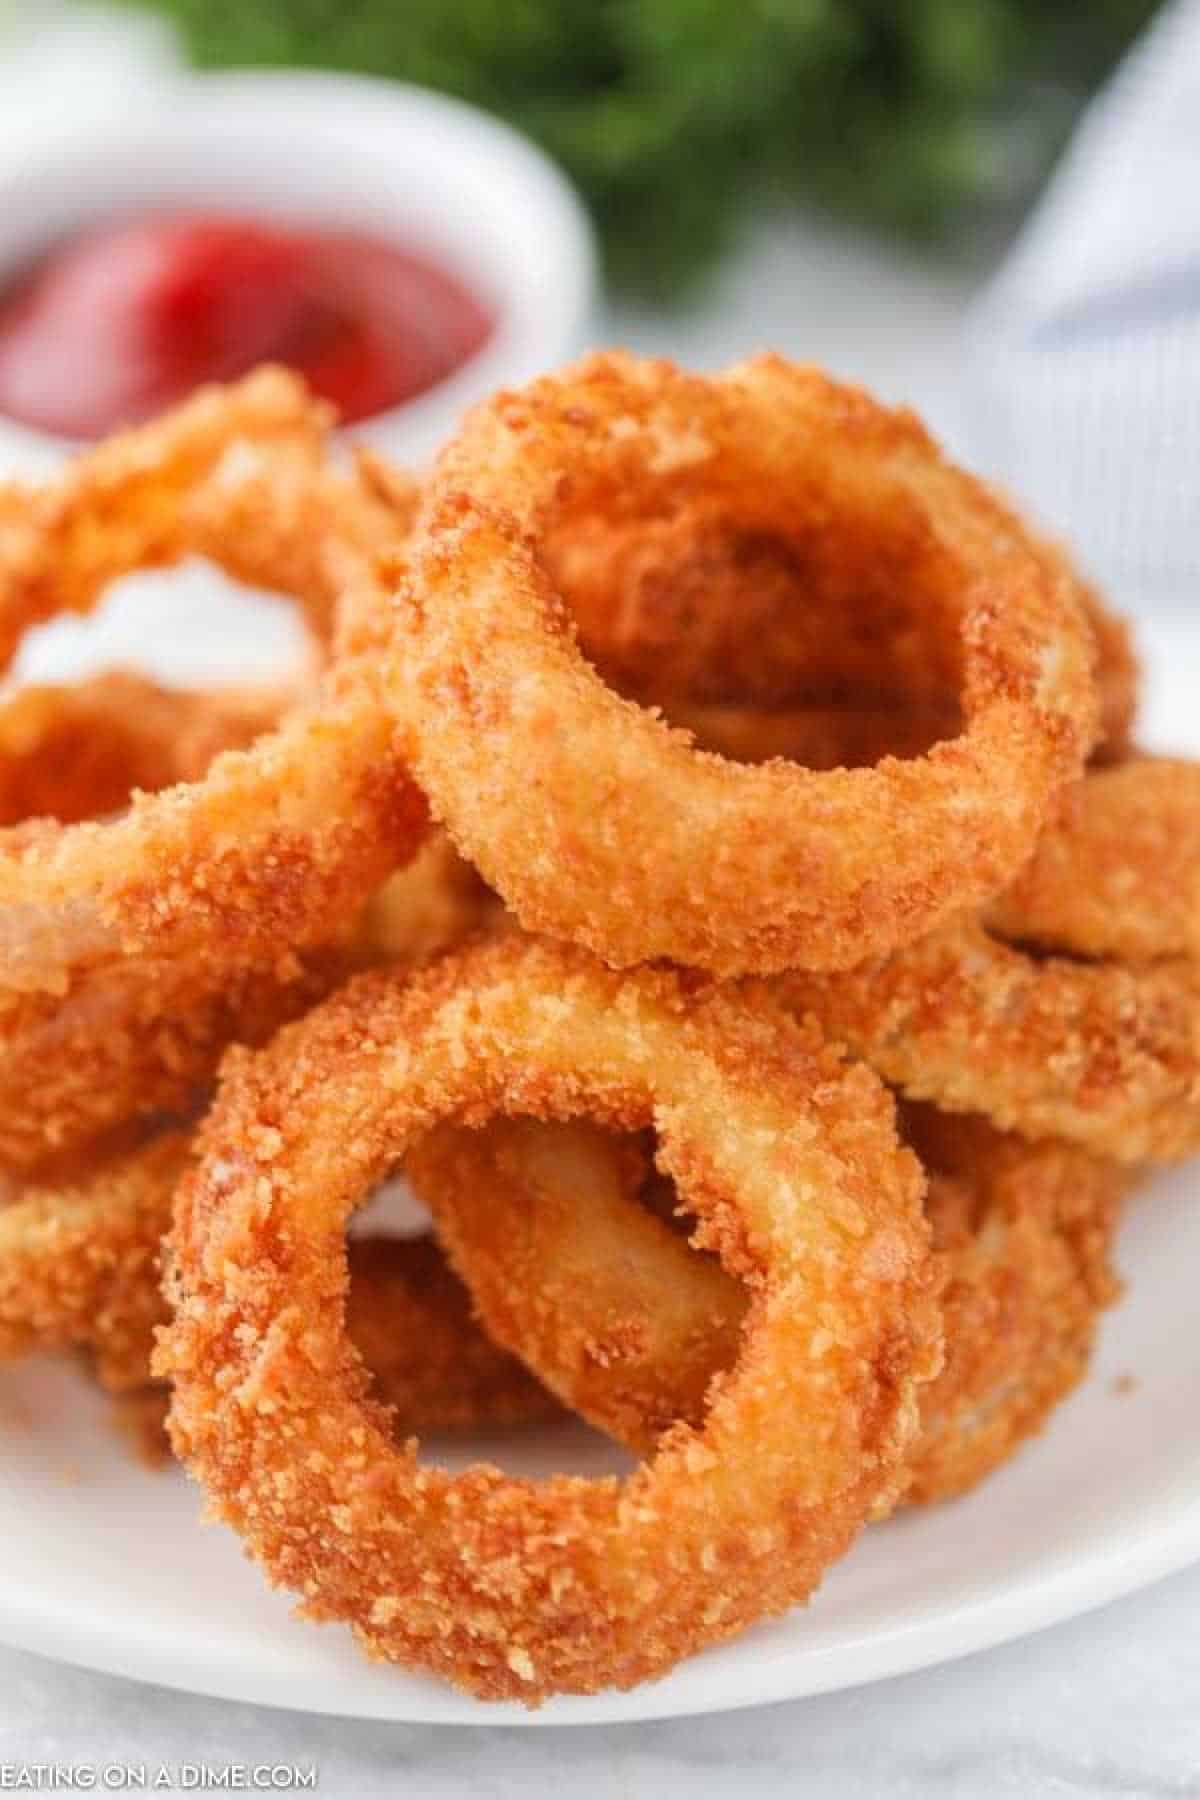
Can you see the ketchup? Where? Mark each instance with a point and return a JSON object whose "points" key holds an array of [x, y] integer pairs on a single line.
{"points": [[122, 320]]}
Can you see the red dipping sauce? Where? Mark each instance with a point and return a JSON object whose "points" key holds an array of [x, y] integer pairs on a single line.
{"points": [[122, 320]]}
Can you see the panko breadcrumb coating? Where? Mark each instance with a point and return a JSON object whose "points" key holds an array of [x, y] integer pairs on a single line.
{"points": [[592, 1290], [711, 679], [629, 1326], [689, 609], [598, 824], [76, 752], [280, 842], [79, 1269], [140, 1036], [1025, 1233], [1099, 1054], [1118, 875], [507, 1587]]}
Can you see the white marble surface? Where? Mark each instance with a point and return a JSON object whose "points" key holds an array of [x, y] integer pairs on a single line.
{"points": [[1108, 1705]]}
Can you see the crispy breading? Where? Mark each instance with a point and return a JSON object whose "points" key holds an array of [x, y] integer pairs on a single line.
{"points": [[593, 820], [280, 841], [1118, 874], [79, 1269], [789, 1159], [1100, 1054], [629, 1325]]}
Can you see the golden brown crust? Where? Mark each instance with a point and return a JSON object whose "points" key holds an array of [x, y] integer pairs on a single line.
{"points": [[143, 1038], [79, 1261], [425, 907], [124, 505], [596, 1294], [687, 611], [1118, 676], [138, 1040], [511, 1588], [692, 604], [1118, 874], [849, 736], [1025, 1232], [279, 842], [1103, 1055], [140, 1036], [79, 1269], [588, 815], [412, 1321], [793, 572], [629, 1326]]}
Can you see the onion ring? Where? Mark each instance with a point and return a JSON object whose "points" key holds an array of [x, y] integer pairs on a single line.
{"points": [[238, 473], [1103, 1055], [1103, 1052], [412, 1321], [1118, 875], [142, 1037], [78, 1260], [691, 605], [1118, 677], [79, 1270], [628, 1326], [432, 903], [513, 1588], [592, 1290], [122, 506], [279, 842], [637, 845], [138, 1040], [138, 1037]]}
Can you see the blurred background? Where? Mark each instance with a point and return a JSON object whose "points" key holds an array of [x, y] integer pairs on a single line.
{"points": [[902, 193], [932, 122]]}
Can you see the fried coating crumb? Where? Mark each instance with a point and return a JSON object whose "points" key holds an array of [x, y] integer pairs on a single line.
{"points": [[630, 1327], [598, 824], [280, 842], [1118, 875], [80, 1269], [1103, 1054], [510, 1588]]}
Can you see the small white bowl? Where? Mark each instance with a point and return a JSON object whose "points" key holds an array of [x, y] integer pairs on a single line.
{"points": [[431, 172]]}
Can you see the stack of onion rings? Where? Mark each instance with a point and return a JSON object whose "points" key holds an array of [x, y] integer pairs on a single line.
{"points": [[738, 672], [181, 870]]}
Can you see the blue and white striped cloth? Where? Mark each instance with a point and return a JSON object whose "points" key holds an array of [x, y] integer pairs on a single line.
{"points": [[1082, 377]]}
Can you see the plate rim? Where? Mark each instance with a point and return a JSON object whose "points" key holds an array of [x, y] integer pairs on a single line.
{"points": [[1036, 1602]]}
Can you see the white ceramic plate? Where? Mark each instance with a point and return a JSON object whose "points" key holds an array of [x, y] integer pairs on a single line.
{"points": [[104, 1564]]}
